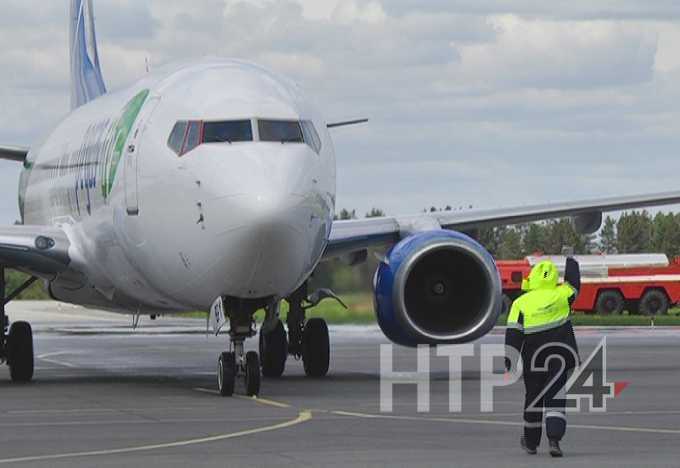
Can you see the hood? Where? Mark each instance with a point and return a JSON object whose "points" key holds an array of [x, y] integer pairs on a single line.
{"points": [[544, 275]]}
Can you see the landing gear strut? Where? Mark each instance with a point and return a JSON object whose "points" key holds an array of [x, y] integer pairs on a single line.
{"points": [[236, 363], [16, 342]]}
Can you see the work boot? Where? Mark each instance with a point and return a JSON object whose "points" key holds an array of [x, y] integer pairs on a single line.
{"points": [[527, 449], [555, 450]]}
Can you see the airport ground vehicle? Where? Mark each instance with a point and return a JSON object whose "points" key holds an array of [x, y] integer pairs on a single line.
{"points": [[640, 283]]}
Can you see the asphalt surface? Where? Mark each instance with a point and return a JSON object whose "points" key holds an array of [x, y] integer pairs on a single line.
{"points": [[105, 395]]}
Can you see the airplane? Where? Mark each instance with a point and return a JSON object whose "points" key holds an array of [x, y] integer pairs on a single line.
{"points": [[211, 186]]}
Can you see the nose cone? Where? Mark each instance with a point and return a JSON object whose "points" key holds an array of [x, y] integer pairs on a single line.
{"points": [[266, 242], [267, 227]]}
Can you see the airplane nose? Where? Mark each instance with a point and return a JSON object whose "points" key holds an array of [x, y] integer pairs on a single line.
{"points": [[261, 215], [265, 242]]}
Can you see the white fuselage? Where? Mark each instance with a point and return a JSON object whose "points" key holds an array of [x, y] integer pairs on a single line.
{"points": [[154, 231]]}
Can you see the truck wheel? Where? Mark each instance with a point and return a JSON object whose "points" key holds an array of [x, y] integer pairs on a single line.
{"points": [[654, 302], [609, 302]]}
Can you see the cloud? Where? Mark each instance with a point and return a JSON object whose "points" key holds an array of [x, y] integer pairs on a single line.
{"points": [[658, 10], [481, 102], [567, 54]]}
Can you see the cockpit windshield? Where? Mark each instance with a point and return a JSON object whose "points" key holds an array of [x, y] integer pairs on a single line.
{"points": [[282, 131], [187, 135], [227, 132]]}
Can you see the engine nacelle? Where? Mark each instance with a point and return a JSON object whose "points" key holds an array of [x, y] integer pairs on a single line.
{"points": [[588, 223], [437, 287]]}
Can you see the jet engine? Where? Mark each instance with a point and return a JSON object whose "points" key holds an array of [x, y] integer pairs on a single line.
{"points": [[437, 287]]}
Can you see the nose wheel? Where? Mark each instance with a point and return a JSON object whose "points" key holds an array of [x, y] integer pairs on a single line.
{"points": [[234, 366], [226, 373]]}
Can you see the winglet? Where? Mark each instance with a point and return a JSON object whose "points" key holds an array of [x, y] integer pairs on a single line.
{"points": [[87, 82]]}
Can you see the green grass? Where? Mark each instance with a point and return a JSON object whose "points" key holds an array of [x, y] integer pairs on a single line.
{"points": [[361, 312]]}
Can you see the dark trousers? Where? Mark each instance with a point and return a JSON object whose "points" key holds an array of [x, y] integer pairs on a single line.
{"points": [[539, 400]]}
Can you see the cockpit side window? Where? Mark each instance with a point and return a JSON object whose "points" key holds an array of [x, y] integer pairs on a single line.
{"points": [[281, 131], [227, 132], [311, 136], [176, 139], [193, 136]]}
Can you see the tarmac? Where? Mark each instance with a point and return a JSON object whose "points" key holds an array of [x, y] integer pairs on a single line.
{"points": [[107, 395]]}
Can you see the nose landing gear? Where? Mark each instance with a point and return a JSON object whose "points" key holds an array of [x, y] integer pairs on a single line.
{"points": [[236, 364], [233, 365]]}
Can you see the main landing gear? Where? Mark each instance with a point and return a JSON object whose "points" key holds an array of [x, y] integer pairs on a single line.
{"points": [[16, 342], [307, 339]]}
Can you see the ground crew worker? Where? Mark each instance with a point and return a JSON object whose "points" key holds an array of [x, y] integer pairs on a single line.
{"points": [[538, 327]]}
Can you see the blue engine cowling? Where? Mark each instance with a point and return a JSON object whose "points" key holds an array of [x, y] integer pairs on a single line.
{"points": [[437, 287]]}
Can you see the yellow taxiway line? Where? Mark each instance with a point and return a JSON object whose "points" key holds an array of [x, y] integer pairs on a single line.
{"points": [[303, 416]]}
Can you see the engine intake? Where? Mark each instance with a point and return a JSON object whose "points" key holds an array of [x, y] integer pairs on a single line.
{"points": [[437, 287]]}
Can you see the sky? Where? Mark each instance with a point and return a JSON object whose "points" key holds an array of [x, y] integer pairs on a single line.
{"points": [[482, 103]]}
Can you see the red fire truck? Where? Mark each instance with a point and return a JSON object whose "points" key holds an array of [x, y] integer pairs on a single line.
{"points": [[640, 283]]}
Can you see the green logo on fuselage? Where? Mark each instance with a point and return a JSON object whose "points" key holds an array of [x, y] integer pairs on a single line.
{"points": [[122, 131]]}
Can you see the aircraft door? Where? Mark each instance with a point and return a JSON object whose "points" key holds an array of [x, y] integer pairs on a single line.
{"points": [[133, 152]]}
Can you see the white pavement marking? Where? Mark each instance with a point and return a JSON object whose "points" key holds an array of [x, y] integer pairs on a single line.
{"points": [[505, 423], [60, 363], [302, 417], [44, 357], [56, 353]]}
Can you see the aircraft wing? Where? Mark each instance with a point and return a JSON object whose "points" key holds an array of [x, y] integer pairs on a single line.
{"points": [[355, 235], [39, 250], [13, 153]]}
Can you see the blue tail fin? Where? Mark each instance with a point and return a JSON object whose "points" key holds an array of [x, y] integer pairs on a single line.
{"points": [[87, 82]]}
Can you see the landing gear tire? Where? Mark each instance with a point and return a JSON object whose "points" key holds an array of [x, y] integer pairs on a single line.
{"points": [[315, 348], [226, 373], [274, 351], [252, 373], [20, 352]]}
